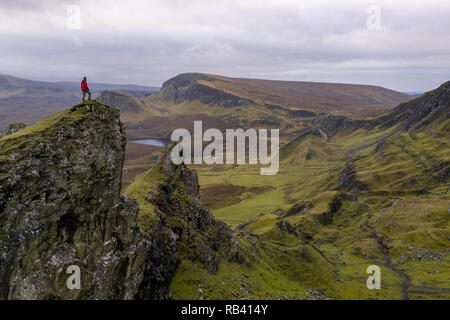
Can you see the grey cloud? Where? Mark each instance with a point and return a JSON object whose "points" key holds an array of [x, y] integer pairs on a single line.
{"points": [[149, 41]]}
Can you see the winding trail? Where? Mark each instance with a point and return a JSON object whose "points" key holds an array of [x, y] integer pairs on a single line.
{"points": [[406, 283]]}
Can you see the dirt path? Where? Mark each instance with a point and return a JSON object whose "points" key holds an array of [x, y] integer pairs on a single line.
{"points": [[406, 283]]}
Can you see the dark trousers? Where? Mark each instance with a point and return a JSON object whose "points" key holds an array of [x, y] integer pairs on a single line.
{"points": [[88, 93]]}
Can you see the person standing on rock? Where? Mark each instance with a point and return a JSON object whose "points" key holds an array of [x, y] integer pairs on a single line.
{"points": [[85, 89]]}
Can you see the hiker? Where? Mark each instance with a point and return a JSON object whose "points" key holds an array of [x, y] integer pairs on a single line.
{"points": [[85, 89]]}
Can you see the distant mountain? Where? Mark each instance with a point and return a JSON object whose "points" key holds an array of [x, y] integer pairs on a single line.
{"points": [[318, 97], [27, 101], [224, 102]]}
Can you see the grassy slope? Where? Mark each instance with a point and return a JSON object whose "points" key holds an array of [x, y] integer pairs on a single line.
{"points": [[267, 270], [410, 224], [282, 265], [138, 159], [401, 224]]}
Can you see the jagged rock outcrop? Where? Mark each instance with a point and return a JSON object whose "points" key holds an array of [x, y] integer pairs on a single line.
{"points": [[61, 206], [334, 205], [428, 109], [297, 209], [348, 181]]}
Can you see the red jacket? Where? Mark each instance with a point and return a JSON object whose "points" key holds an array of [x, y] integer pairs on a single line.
{"points": [[84, 85]]}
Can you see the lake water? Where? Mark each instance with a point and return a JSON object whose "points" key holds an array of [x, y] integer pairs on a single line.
{"points": [[153, 142]]}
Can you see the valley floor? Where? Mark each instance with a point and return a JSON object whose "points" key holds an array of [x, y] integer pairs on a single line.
{"points": [[349, 194], [396, 219]]}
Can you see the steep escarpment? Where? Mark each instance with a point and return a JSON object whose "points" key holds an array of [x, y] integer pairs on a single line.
{"points": [[61, 206], [429, 109], [293, 95], [195, 86]]}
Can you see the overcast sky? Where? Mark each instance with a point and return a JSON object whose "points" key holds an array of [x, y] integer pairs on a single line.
{"points": [[150, 41]]}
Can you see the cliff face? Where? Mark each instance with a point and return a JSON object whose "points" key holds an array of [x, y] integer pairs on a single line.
{"points": [[192, 86], [425, 111], [60, 205], [132, 109]]}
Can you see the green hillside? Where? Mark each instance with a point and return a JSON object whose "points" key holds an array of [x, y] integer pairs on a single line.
{"points": [[370, 193]]}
